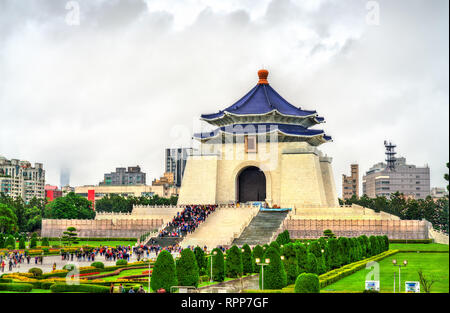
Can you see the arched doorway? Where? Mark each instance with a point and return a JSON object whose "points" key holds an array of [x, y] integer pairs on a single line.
{"points": [[251, 185]]}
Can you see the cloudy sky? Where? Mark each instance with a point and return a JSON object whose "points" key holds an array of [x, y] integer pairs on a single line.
{"points": [[93, 85]]}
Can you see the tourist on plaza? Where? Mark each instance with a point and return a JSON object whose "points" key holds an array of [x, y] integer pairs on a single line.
{"points": [[131, 290], [141, 290], [121, 289], [111, 289], [54, 266]]}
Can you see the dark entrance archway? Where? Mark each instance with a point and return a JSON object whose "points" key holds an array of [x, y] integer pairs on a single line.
{"points": [[251, 185]]}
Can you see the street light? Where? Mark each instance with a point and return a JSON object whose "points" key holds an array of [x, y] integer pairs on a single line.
{"points": [[210, 256], [394, 262], [258, 262], [282, 257]]}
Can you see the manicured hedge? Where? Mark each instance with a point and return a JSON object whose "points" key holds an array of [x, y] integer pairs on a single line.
{"points": [[20, 287], [164, 273], [233, 264], [187, 269], [121, 262], [307, 283], [87, 288], [410, 240], [99, 265], [339, 273], [247, 260], [274, 273]]}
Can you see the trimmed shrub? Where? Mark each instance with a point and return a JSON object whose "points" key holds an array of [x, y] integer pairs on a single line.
{"points": [[121, 262], [20, 287], [307, 283], [362, 246], [164, 272], [316, 249], [98, 265], [87, 288], [328, 233], [344, 249], [247, 260], [45, 242], [258, 252], [275, 245], [374, 247], [290, 262], [386, 243], [187, 269], [10, 242], [311, 264], [218, 265], [69, 267], [233, 264], [202, 262], [22, 243], [283, 238], [35, 271], [334, 258], [274, 273], [302, 255], [33, 241]]}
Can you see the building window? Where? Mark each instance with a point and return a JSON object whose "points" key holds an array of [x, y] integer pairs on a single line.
{"points": [[250, 144]]}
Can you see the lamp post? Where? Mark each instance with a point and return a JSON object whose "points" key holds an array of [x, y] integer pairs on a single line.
{"points": [[394, 262], [210, 256], [266, 262]]}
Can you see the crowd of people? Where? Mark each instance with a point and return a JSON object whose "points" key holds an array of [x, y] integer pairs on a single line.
{"points": [[14, 259], [187, 221]]}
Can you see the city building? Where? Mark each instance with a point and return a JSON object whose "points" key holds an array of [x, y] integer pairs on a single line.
{"points": [[67, 189], [350, 184], [20, 179], [52, 192], [438, 192], [176, 162], [396, 175], [166, 179], [264, 150], [123, 176], [98, 192]]}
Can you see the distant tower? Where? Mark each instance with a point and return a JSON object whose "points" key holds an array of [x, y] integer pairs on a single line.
{"points": [[390, 155], [64, 177]]}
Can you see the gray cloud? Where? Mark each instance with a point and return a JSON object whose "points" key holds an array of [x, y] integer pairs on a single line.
{"points": [[117, 89]]}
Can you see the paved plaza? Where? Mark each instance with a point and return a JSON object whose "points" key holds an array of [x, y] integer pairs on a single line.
{"points": [[47, 264]]}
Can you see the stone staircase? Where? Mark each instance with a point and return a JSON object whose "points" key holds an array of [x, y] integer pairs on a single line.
{"points": [[261, 228]]}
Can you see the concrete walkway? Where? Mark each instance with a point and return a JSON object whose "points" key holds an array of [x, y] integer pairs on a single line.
{"points": [[47, 264]]}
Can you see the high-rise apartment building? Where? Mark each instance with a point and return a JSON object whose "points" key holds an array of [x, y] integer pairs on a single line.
{"points": [[176, 163], [350, 184], [123, 176], [20, 179]]}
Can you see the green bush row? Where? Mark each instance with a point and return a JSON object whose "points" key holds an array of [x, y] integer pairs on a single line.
{"points": [[339, 273], [20, 287], [410, 240], [87, 288]]}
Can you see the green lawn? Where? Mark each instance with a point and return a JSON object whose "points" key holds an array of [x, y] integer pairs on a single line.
{"points": [[32, 291], [418, 247], [434, 265]]}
